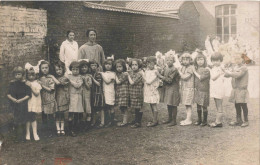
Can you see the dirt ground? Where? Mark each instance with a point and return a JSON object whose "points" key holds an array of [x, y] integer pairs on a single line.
{"points": [[179, 145]]}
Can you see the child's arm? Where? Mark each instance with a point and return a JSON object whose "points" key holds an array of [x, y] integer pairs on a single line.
{"points": [[87, 82], [54, 79], [171, 77], [237, 74], [123, 79], [105, 79], [35, 90], [185, 76], [77, 84], [214, 77], [11, 98], [152, 80], [136, 80], [95, 81], [23, 99]]}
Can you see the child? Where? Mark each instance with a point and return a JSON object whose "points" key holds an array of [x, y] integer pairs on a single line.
{"points": [[202, 77], [108, 77], [34, 103], [122, 89], [85, 74], [49, 104], [97, 96], [18, 94], [187, 86], [151, 93], [171, 96], [217, 90], [239, 94], [62, 96], [76, 102], [136, 91]]}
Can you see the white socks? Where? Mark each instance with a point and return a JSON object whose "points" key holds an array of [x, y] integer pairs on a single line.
{"points": [[62, 125], [28, 136], [58, 125]]}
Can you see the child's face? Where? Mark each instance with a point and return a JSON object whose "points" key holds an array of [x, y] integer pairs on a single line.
{"points": [[200, 61], [45, 69], [93, 67], [216, 62], [169, 62], [119, 68], [186, 61], [58, 71], [151, 65], [108, 66], [135, 66], [18, 76], [75, 71], [84, 69], [31, 76]]}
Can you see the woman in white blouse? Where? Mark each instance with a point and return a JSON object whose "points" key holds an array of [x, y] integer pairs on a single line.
{"points": [[69, 50]]}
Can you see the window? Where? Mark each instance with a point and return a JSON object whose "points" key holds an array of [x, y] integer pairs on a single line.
{"points": [[226, 22]]}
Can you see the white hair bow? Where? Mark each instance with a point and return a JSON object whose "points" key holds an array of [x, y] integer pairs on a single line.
{"points": [[28, 66], [111, 58]]}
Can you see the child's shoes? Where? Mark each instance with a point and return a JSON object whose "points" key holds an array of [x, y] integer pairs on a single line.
{"points": [[215, 125], [152, 124], [136, 125], [245, 124], [185, 122], [235, 123]]}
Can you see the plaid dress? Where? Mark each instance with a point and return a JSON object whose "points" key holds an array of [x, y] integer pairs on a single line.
{"points": [[122, 90], [136, 90]]}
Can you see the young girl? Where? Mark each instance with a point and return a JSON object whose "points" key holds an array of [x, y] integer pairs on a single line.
{"points": [[97, 96], [34, 103], [18, 94], [122, 89], [187, 86], [239, 95], [151, 93], [171, 96], [202, 78], [217, 90], [76, 101], [49, 104], [62, 96], [108, 77], [136, 91], [85, 74]]}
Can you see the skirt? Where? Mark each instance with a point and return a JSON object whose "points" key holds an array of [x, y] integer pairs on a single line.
{"points": [[239, 96], [187, 96], [201, 98]]}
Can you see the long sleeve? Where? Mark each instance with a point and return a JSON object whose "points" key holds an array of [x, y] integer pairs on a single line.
{"points": [[62, 52], [81, 53], [171, 76], [239, 73], [102, 54], [204, 74]]}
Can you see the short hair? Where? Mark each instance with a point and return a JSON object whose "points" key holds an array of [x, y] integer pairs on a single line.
{"points": [[122, 62], [74, 64], [151, 59], [200, 55], [93, 62], [186, 55], [42, 63], [69, 31], [83, 63], [61, 65], [18, 69], [216, 56], [139, 62], [89, 30], [107, 61]]}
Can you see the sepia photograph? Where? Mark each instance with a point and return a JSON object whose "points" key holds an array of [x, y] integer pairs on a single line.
{"points": [[118, 82]]}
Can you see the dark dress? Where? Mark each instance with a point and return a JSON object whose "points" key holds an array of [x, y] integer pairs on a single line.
{"points": [[202, 87], [136, 90], [19, 90], [97, 96], [122, 90], [62, 94]]}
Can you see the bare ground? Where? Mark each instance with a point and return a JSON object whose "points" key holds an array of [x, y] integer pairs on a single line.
{"points": [[179, 145]]}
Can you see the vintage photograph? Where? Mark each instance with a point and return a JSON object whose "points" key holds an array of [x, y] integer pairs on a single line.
{"points": [[129, 82]]}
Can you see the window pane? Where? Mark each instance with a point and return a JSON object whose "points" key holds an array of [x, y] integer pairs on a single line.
{"points": [[233, 20], [233, 9], [226, 21], [226, 30], [219, 30], [218, 10], [226, 10], [219, 21], [233, 29]]}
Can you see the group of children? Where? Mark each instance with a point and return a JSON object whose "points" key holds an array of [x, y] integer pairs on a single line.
{"points": [[89, 91]]}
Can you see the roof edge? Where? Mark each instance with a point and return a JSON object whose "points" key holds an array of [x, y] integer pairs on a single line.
{"points": [[124, 10]]}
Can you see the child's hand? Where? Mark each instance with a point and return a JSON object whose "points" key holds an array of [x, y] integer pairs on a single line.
{"points": [[28, 83], [19, 101]]}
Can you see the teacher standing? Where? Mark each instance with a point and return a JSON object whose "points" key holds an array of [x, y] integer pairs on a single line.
{"points": [[69, 50], [91, 50]]}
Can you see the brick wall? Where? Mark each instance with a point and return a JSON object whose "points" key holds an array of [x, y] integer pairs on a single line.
{"points": [[22, 33]]}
